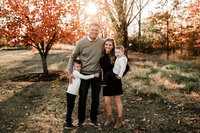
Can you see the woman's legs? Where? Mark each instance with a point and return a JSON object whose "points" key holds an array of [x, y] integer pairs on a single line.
{"points": [[119, 111], [119, 105], [107, 101]]}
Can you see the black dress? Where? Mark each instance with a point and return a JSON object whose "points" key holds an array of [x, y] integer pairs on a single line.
{"points": [[114, 85]]}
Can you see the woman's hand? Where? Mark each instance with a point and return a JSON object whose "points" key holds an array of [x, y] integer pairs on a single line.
{"points": [[117, 77]]}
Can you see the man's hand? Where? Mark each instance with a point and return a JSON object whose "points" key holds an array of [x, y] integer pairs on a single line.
{"points": [[117, 77], [70, 78], [96, 75]]}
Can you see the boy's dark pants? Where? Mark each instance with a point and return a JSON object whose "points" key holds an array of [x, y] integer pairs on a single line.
{"points": [[83, 91], [70, 106]]}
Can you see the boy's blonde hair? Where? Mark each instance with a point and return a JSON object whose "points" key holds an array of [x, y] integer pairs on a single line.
{"points": [[120, 47]]}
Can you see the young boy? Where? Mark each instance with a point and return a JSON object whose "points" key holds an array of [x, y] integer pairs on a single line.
{"points": [[119, 66], [73, 90]]}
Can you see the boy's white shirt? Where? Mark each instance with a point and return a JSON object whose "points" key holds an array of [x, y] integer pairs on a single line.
{"points": [[76, 81], [120, 66]]}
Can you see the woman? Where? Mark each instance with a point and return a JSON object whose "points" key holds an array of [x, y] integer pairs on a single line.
{"points": [[114, 86]]}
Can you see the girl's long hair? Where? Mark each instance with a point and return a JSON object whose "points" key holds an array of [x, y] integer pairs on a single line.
{"points": [[112, 53]]}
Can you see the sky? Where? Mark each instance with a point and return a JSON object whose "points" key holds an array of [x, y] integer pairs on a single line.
{"points": [[152, 5], [151, 8]]}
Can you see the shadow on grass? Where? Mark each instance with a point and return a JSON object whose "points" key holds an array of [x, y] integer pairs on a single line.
{"points": [[154, 114], [149, 113], [24, 67], [16, 109], [37, 77]]}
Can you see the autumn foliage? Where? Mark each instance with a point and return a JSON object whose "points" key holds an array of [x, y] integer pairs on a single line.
{"points": [[192, 36], [181, 25], [40, 23]]}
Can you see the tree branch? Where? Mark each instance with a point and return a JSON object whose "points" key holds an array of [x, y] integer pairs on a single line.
{"points": [[131, 20]]}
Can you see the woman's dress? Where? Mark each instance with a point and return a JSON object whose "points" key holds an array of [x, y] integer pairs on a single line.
{"points": [[114, 85]]}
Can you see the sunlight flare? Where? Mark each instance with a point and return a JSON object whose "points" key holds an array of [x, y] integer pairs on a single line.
{"points": [[91, 9]]}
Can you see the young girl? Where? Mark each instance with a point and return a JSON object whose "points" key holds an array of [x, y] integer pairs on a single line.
{"points": [[119, 65]]}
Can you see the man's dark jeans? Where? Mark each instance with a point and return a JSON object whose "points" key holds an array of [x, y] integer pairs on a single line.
{"points": [[83, 91]]}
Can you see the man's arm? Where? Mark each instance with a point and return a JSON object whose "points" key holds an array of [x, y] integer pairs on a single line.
{"points": [[73, 56]]}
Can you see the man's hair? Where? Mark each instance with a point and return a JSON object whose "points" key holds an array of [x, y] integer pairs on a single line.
{"points": [[94, 24], [77, 62], [120, 47]]}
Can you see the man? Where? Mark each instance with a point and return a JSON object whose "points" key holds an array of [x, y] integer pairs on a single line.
{"points": [[89, 50]]}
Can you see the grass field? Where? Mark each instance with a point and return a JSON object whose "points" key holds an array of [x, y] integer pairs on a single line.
{"points": [[159, 95]]}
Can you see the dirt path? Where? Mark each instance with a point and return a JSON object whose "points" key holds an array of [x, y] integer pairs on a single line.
{"points": [[41, 106]]}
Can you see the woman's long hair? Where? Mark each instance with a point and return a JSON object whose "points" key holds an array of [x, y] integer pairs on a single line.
{"points": [[112, 53]]}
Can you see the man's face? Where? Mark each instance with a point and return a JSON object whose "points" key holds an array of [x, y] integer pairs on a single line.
{"points": [[93, 32], [119, 53]]}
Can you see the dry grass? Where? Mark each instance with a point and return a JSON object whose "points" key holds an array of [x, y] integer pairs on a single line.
{"points": [[57, 46], [168, 78], [159, 96], [164, 82]]}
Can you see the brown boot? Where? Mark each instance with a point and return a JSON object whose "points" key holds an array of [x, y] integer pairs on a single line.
{"points": [[107, 123], [118, 123]]}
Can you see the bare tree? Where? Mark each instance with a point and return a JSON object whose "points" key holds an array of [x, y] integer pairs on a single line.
{"points": [[122, 13], [139, 23]]}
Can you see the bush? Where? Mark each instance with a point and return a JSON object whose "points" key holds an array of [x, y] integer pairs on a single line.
{"points": [[144, 47], [193, 37]]}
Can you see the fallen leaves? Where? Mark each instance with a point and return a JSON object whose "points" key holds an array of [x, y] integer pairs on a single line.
{"points": [[139, 99], [36, 101], [127, 120], [22, 127], [194, 94]]}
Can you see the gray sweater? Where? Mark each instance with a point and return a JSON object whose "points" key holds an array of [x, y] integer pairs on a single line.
{"points": [[89, 53]]}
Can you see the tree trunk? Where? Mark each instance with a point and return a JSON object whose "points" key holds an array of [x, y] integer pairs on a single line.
{"points": [[123, 37], [43, 53], [139, 26], [167, 39], [44, 64], [181, 42]]}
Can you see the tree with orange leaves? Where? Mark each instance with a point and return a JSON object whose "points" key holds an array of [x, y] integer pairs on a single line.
{"points": [[39, 23], [192, 30]]}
